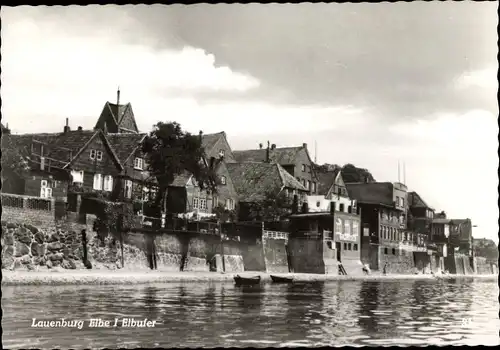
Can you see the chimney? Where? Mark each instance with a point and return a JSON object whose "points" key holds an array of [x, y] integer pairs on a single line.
{"points": [[66, 127], [267, 152], [273, 146], [80, 128], [201, 135], [118, 97], [261, 145], [304, 145]]}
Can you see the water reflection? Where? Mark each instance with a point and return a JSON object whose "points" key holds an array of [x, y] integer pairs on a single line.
{"points": [[215, 314]]}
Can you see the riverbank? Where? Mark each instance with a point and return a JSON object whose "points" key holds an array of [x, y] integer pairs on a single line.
{"points": [[115, 277]]}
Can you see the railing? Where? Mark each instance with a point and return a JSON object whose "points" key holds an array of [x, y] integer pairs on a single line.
{"points": [[27, 202]]}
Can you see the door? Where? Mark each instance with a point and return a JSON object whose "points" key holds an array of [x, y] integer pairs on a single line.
{"points": [[337, 249]]}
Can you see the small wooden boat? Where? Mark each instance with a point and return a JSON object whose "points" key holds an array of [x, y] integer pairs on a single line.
{"points": [[278, 279], [246, 280]]}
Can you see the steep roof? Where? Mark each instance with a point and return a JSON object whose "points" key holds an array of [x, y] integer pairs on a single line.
{"points": [[112, 117], [125, 144], [208, 141], [253, 181], [326, 180], [414, 200], [371, 193], [282, 155]]}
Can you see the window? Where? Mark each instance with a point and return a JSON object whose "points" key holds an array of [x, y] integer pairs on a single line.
{"points": [[43, 183], [99, 155], [195, 203], [97, 182], [229, 204], [128, 188], [138, 163], [108, 183], [92, 154], [397, 201], [347, 227], [215, 202], [309, 185], [355, 228], [349, 247], [287, 193], [46, 192], [345, 246], [304, 182], [355, 246], [303, 167], [221, 153], [314, 187], [77, 176], [223, 180], [385, 251], [393, 251], [338, 225], [203, 203]]}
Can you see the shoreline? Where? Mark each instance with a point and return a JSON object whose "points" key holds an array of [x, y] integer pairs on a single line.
{"points": [[136, 277]]}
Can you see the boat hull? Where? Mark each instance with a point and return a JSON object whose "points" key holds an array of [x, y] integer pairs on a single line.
{"points": [[246, 280], [278, 279]]}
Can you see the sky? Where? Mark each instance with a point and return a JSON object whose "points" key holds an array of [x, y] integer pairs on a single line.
{"points": [[367, 84]]}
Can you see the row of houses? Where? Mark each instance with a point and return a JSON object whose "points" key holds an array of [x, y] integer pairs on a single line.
{"points": [[369, 222]]}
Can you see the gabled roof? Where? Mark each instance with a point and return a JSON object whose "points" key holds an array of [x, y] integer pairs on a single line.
{"points": [[59, 146], [283, 155], [371, 193], [125, 144], [208, 141], [253, 181], [326, 180], [112, 117], [414, 200]]}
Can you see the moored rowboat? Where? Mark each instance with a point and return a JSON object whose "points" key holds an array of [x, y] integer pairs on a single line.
{"points": [[246, 280], [278, 279]]}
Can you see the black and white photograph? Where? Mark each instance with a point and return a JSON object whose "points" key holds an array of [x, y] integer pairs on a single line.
{"points": [[250, 175]]}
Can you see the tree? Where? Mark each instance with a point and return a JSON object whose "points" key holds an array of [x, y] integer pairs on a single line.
{"points": [[223, 214], [271, 208], [170, 151], [351, 173]]}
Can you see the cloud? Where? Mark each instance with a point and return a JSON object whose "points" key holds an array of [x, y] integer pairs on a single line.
{"points": [[483, 78]]}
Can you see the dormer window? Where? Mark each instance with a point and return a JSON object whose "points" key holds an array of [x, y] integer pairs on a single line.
{"points": [[223, 180], [138, 163]]}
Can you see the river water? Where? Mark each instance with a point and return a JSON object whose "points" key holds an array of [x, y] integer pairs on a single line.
{"points": [[456, 312]]}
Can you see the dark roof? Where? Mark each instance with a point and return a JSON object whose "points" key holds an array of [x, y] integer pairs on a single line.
{"points": [[371, 193], [414, 200], [326, 181], [124, 144], [208, 141], [112, 117], [283, 155], [253, 181]]}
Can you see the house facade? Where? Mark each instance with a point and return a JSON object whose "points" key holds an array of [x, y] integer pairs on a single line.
{"points": [[386, 237], [256, 183], [295, 160], [322, 240]]}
